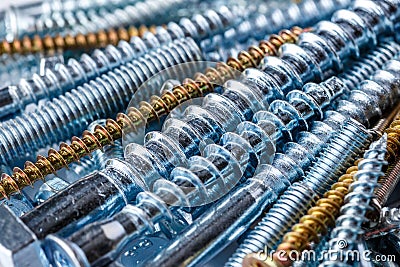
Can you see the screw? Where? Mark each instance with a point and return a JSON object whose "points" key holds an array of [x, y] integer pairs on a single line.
{"points": [[319, 217], [319, 178], [191, 89], [202, 175], [102, 38], [348, 225], [207, 83], [293, 60], [79, 170], [76, 73], [16, 25]]}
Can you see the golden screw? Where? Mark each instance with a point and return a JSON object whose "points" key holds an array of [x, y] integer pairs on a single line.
{"points": [[48, 44]]}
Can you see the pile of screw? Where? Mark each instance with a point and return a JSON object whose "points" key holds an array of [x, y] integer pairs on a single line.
{"points": [[200, 133]]}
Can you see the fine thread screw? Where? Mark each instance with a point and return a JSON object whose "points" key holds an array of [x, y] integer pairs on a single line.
{"points": [[151, 11], [37, 44], [113, 130], [348, 225], [75, 73]]}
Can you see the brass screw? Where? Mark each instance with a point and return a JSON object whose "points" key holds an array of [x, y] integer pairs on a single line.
{"points": [[311, 226], [390, 180], [147, 112], [99, 39]]}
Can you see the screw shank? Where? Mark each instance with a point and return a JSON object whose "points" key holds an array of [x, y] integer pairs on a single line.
{"points": [[87, 197]]}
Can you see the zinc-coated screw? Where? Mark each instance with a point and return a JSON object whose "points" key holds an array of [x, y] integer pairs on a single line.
{"points": [[207, 82], [190, 177], [70, 113], [16, 25], [203, 84], [320, 177], [348, 225], [75, 73]]}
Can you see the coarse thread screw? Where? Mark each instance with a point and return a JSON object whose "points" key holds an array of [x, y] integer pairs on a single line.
{"points": [[304, 69], [320, 177], [348, 225], [102, 136], [314, 99]]}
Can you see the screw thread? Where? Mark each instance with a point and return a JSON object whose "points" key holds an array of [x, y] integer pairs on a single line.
{"points": [[283, 215], [102, 38], [112, 151], [89, 102], [112, 131], [389, 181], [311, 226], [357, 202], [72, 22], [297, 157], [75, 73]]}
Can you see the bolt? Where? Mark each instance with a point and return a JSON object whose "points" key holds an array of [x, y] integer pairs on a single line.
{"points": [[19, 243]]}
